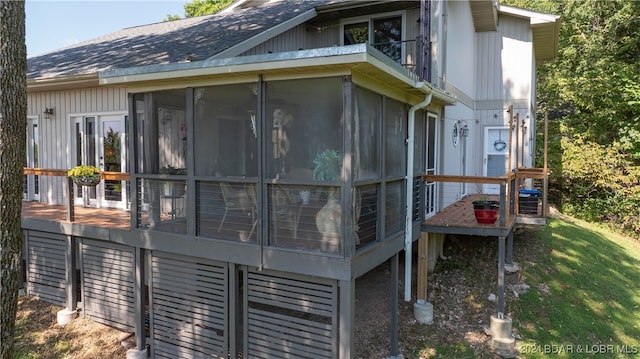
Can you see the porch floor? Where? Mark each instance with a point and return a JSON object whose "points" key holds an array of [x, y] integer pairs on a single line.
{"points": [[458, 218], [100, 217]]}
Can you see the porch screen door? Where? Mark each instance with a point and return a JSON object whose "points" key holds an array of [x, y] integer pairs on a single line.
{"points": [[496, 151]]}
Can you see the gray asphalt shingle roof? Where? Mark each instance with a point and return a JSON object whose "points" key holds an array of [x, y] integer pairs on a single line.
{"points": [[166, 42]]}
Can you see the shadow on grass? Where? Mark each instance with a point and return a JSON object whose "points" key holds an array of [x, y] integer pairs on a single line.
{"points": [[584, 297]]}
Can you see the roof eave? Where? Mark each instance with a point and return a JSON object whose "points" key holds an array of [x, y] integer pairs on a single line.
{"points": [[62, 82], [343, 60], [484, 14]]}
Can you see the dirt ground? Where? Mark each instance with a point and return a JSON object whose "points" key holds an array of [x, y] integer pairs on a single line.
{"points": [[458, 289]]}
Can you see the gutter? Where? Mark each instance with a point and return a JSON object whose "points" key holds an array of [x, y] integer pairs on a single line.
{"points": [[408, 234]]}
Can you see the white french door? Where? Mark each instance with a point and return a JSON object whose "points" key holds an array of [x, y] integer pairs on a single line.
{"points": [[31, 190], [431, 156], [100, 141], [496, 150]]}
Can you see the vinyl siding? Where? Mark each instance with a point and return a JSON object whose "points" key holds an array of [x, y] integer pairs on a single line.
{"points": [[56, 139]]}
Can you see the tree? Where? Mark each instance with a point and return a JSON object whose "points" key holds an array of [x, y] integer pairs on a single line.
{"points": [[591, 93], [13, 114], [201, 7]]}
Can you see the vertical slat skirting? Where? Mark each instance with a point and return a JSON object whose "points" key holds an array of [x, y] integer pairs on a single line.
{"points": [[290, 316], [189, 307], [108, 283], [46, 275]]}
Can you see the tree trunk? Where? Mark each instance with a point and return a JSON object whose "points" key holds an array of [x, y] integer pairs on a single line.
{"points": [[13, 115]]}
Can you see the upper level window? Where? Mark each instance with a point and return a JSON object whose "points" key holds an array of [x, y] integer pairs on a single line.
{"points": [[385, 34]]}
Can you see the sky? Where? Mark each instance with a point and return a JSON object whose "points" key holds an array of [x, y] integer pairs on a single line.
{"points": [[53, 24]]}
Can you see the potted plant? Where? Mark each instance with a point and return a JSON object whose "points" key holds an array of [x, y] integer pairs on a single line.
{"points": [[85, 175], [327, 168], [486, 210], [173, 188]]}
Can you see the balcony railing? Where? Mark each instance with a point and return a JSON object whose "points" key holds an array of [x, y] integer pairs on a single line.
{"points": [[105, 176], [522, 193], [413, 58]]}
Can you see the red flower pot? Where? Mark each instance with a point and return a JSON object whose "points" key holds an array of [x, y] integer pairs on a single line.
{"points": [[486, 212]]}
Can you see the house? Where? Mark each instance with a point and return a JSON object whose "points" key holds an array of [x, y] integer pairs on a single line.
{"points": [[275, 152]]}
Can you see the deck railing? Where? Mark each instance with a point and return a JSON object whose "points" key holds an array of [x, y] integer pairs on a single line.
{"points": [[56, 172], [515, 190], [506, 184]]}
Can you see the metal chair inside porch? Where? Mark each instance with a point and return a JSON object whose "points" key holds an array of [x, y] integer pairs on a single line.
{"points": [[286, 210], [240, 198]]}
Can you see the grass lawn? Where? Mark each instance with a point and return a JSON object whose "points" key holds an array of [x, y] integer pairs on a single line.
{"points": [[585, 294]]}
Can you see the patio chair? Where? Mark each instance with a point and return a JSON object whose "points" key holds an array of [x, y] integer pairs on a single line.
{"points": [[239, 199], [286, 210]]}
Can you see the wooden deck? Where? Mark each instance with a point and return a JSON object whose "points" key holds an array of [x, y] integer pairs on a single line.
{"points": [[458, 218], [99, 217]]}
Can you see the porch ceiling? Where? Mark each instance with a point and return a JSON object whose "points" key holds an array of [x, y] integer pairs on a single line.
{"points": [[368, 67]]}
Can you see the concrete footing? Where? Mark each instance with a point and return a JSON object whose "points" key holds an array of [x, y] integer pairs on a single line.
{"points": [[502, 339], [137, 354], [511, 267], [423, 312], [66, 316]]}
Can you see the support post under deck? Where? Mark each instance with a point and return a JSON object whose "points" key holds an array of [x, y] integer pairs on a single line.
{"points": [[501, 245], [347, 318], [65, 316], [394, 306]]}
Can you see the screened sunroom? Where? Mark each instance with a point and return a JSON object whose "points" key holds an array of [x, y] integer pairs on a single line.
{"points": [[265, 156], [313, 164]]}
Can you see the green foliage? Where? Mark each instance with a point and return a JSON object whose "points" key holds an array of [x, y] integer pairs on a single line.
{"points": [[591, 94], [170, 170], [171, 17], [201, 7], [599, 182], [327, 166], [205, 7]]}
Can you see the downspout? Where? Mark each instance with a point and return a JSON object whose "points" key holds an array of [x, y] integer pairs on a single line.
{"points": [[408, 233]]}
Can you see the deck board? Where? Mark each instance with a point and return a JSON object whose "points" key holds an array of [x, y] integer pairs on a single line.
{"points": [[99, 217], [458, 218]]}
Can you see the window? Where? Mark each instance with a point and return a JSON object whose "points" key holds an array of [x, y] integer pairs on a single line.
{"points": [[385, 34]]}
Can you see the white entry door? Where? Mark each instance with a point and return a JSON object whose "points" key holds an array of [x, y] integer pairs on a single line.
{"points": [[496, 150], [100, 142]]}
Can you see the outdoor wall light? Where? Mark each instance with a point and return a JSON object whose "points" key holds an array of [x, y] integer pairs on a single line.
{"points": [[464, 131], [48, 112]]}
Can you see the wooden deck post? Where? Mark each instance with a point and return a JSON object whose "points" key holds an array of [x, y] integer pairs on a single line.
{"points": [[423, 256], [503, 202], [518, 141]]}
